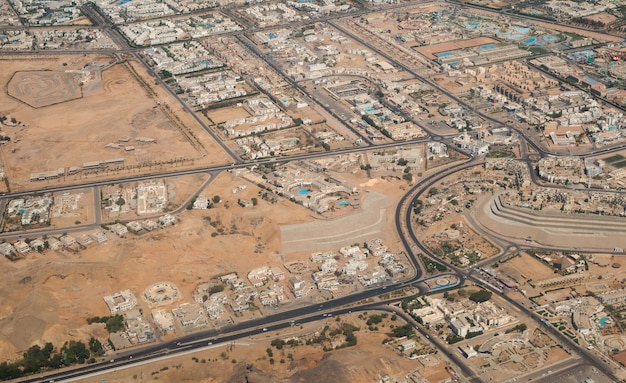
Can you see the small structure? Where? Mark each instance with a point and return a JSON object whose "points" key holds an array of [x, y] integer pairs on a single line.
{"points": [[118, 229], [122, 301], [99, 236], [6, 249], [21, 247], [37, 244], [298, 286], [67, 240]]}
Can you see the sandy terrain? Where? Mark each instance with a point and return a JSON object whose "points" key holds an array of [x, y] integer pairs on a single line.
{"points": [[111, 107], [58, 291], [84, 212], [526, 267], [603, 17], [248, 361]]}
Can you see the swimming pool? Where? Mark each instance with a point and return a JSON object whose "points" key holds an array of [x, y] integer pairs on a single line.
{"points": [[590, 80], [303, 191], [444, 54], [489, 46], [472, 25], [604, 321], [529, 41], [343, 203], [550, 38]]}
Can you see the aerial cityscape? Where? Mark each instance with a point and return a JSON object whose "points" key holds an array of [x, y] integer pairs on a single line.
{"points": [[380, 191]]}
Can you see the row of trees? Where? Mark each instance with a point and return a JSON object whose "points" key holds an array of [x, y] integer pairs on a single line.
{"points": [[37, 359]]}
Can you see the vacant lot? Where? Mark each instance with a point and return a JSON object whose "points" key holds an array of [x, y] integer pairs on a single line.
{"points": [[100, 120]]}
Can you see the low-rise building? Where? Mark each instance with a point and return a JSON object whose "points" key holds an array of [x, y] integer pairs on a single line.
{"points": [[55, 244], [122, 301], [99, 236], [6, 249], [189, 314], [67, 240], [134, 226], [21, 247], [118, 229], [37, 244], [84, 240], [166, 220], [149, 225], [298, 286], [163, 319]]}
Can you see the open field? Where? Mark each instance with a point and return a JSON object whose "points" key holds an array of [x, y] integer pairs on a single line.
{"points": [[83, 212], [248, 360], [60, 290], [110, 121], [526, 267]]}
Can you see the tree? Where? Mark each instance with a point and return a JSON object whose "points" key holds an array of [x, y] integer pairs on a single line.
{"points": [[120, 201], [480, 296], [95, 346], [216, 199], [405, 330], [216, 289]]}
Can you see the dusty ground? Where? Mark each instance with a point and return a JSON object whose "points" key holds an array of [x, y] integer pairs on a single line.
{"points": [[526, 267], [248, 361], [58, 291], [112, 108], [603, 17], [83, 214]]}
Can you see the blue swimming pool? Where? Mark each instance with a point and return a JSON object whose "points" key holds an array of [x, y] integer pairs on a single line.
{"points": [[529, 41], [603, 321], [472, 25], [343, 203], [489, 46], [444, 54], [304, 191], [550, 38], [590, 80]]}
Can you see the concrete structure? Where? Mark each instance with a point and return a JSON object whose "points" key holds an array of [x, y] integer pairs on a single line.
{"points": [[122, 301]]}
